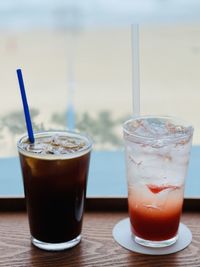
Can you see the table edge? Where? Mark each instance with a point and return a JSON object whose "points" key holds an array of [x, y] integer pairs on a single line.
{"points": [[105, 203]]}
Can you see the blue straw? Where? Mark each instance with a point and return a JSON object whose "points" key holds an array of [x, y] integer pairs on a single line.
{"points": [[25, 105]]}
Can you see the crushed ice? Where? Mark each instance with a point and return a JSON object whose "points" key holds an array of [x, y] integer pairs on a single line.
{"points": [[55, 145], [158, 129]]}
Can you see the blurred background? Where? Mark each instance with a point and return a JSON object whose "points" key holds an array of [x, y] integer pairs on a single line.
{"points": [[76, 62]]}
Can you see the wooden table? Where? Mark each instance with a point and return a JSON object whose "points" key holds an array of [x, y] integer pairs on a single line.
{"points": [[97, 247]]}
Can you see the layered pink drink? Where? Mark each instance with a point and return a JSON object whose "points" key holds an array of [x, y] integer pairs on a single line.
{"points": [[157, 156], [155, 214]]}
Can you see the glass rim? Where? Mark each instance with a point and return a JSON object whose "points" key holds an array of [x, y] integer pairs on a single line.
{"points": [[164, 117], [87, 148]]}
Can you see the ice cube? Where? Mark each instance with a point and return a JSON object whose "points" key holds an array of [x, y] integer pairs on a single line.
{"points": [[35, 148], [49, 149], [55, 141]]}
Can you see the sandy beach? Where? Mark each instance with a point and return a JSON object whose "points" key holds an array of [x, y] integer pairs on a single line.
{"points": [[91, 68]]}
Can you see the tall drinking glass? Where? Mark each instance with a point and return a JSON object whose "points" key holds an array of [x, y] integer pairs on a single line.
{"points": [[157, 155], [55, 170]]}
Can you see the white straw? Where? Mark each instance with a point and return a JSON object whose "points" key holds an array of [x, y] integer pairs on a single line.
{"points": [[135, 69]]}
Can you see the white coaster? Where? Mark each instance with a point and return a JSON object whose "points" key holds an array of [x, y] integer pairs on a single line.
{"points": [[122, 234]]}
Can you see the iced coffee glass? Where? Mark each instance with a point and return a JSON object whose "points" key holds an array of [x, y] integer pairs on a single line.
{"points": [[157, 154], [55, 170]]}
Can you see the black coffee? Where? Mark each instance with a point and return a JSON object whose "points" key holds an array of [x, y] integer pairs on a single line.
{"points": [[55, 171]]}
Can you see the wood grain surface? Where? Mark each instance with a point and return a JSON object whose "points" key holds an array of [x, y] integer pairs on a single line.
{"points": [[97, 247]]}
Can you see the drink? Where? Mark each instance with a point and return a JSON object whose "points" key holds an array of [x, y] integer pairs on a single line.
{"points": [[156, 216], [157, 155], [55, 170]]}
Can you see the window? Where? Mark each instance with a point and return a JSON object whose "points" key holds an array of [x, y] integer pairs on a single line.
{"points": [[78, 74]]}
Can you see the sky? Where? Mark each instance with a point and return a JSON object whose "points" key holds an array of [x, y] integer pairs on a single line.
{"points": [[78, 13]]}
